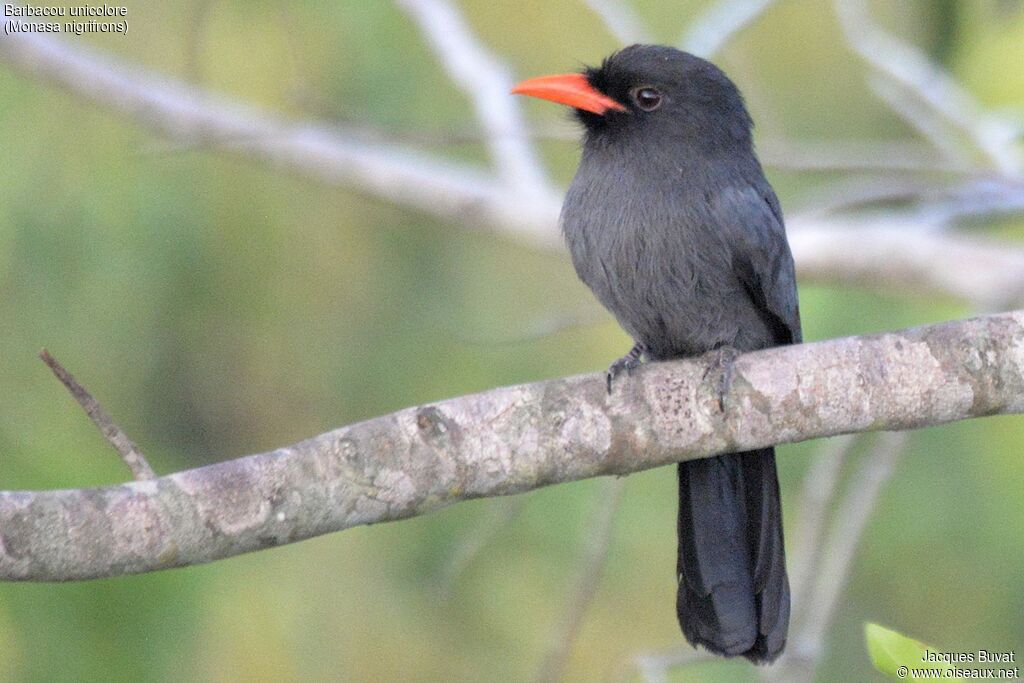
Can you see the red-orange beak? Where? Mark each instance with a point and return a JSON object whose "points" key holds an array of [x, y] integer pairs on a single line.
{"points": [[571, 89]]}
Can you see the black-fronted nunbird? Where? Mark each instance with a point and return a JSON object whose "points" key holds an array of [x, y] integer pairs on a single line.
{"points": [[672, 224]]}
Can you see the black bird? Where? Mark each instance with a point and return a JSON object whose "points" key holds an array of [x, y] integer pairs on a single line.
{"points": [[672, 224]]}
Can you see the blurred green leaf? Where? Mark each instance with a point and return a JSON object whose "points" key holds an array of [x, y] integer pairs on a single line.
{"points": [[893, 653]]}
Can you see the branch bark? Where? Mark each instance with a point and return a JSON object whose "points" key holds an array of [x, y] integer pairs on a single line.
{"points": [[515, 439]]}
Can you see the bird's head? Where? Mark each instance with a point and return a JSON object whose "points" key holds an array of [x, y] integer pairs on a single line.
{"points": [[653, 94]]}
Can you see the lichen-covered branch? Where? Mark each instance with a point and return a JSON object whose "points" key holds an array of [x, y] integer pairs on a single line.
{"points": [[515, 439]]}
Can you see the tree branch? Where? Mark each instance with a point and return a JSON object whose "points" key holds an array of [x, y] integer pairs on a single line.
{"points": [[192, 116], [717, 26], [115, 436], [654, 666], [515, 439], [916, 74], [888, 256], [497, 518], [487, 82], [471, 196], [621, 20], [597, 539], [800, 662], [859, 156], [820, 487]]}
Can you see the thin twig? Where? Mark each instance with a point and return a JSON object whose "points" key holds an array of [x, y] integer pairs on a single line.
{"points": [[819, 489], [486, 81], [621, 20], [718, 25], [852, 515], [982, 273], [921, 118], [188, 115], [447, 189], [860, 193], [862, 155], [598, 536], [539, 328], [909, 67], [129, 452], [979, 197], [654, 666], [500, 514], [821, 484]]}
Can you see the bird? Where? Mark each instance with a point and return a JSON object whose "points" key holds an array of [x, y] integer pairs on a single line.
{"points": [[671, 223]]}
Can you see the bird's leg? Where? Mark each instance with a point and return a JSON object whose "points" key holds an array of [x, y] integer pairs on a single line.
{"points": [[631, 360], [723, 360]]}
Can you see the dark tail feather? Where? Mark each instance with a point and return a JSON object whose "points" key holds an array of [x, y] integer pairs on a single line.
{"points": [[733, 591]]}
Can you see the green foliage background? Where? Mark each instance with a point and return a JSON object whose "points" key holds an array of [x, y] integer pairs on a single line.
{"points": [[219, 307]]}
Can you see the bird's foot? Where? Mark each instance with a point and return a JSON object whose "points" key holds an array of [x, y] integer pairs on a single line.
{"points": [[722, 364], [627, 364]]}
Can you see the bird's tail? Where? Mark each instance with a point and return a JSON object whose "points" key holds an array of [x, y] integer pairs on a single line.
{"points": [[733, 591]]}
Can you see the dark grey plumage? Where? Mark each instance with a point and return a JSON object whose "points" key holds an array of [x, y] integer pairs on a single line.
{"points": [[672, 224]]}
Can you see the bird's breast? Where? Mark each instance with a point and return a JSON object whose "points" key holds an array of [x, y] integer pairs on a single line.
{"points": [[652, 261]]}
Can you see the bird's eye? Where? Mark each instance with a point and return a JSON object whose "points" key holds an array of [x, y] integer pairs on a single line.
{"points": [[647, 98]]}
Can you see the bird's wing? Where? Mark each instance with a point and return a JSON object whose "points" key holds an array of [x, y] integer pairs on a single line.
{"points": [[752, 222]]}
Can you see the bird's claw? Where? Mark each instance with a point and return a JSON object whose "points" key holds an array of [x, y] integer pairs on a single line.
{"points": [[722, 363], [627, 364], [623, 364]]}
